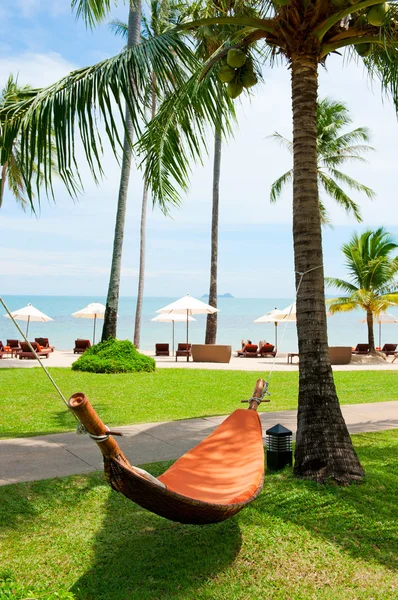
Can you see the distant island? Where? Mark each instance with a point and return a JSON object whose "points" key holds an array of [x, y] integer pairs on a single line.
{"points": [[227, 295]]}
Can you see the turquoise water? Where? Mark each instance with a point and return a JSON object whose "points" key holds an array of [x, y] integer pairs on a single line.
{"points": [[235, 321]]}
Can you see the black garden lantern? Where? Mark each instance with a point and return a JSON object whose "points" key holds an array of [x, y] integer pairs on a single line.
{"points": [[279, 447]]}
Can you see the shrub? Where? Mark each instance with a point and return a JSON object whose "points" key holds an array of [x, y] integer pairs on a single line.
{"points": [[113, 356]]}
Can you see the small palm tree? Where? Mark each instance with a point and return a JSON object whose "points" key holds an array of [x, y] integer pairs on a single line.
{"points": [[334, 148], [374, 282]]}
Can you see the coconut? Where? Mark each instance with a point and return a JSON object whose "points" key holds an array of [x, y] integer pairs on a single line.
{"points": [[248, 79], [281, 2], [226, 74], [339, 3], [363, 49], [234, 89], [362, 21], [236, 58], [377, 13]]}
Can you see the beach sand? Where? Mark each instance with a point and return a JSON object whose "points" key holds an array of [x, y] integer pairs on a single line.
{"points": [[65, 358]]}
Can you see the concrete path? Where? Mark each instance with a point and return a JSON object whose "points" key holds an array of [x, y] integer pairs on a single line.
{"points": [[42, 457]]}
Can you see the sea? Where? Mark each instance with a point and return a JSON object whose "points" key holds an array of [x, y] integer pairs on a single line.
{"points": [[235, 322]]}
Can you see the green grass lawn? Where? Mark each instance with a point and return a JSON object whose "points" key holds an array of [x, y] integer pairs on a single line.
{"points": [[30, 406], [298, 540]]}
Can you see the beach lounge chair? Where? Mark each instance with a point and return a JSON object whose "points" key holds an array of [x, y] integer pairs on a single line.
{"points": [[26, 352], [14, 346], [5, 350], [44, 343], [267, 350], [81, 346], [250, 351], [361, 349], [389, 349], [183, 350], [162, 350]]}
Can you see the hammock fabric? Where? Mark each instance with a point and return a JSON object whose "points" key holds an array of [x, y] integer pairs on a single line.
{"points": [[208, 484]]}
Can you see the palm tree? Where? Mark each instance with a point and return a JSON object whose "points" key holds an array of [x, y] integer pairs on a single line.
{"points": [[374, 277], [163, 15], [334, 148], [94, 11], [301, 33]]}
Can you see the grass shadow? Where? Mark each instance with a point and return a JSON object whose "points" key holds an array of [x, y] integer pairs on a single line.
{"points": [[360, 519], [138, 555]]}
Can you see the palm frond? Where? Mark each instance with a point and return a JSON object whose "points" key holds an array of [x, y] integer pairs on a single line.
{"points": [[92, 11], [282, 141], [352, 183], [340, 284], [78, 100], [177, 135], [336, 305], [119, 28], [337, 193], [278, 186]]}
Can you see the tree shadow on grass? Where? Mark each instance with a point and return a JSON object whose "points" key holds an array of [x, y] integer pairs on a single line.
{"points": [[360, 519], [141, 556]]}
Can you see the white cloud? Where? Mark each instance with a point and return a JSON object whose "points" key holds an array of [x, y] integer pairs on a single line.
{"points": [[37, 70]]}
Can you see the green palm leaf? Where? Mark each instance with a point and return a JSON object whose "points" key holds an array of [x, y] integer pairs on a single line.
{"points": [[76, 100]]}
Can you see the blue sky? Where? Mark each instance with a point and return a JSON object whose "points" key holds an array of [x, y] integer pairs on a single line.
{"points": [[67, 249]]}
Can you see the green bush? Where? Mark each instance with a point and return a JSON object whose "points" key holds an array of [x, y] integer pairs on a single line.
{"points": [[113, 356]]}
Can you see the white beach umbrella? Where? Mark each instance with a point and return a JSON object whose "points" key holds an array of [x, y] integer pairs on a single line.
{"points": [[95, 311], [287, 314], [29, 313], [172, 318], [188, 306], [383, 318], [271, 317]]}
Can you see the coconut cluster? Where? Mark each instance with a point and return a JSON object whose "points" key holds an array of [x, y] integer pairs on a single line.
{"points": [[376, 16], [237, 72]]}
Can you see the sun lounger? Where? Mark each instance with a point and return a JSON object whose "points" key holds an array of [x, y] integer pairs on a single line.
{"points": [[14, 345], [389, 349], [162, 350], [183, 350], [81, 346], [44, 343], [250, 351], [26, 352], [267, 351], [5, 350], [361, 349]]}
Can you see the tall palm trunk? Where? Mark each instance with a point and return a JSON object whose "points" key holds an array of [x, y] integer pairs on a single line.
{"points": [[211, 323], [371, 337], [141, 275], [3, 181], [323, 448], [112, 301]]}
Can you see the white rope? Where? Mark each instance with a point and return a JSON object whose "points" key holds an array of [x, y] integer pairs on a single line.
{"points": [[38, 358]]}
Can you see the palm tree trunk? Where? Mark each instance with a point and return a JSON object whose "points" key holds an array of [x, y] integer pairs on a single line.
{"points": [[3, 181], [141, 275], [371, 337], [112, 301], [323, 447], [211, 323]]}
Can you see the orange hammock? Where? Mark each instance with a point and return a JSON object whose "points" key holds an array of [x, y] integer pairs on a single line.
{"points": [[208, 484]]}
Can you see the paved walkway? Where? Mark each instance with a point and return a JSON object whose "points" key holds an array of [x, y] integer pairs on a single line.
{"points": [[42, 457]]}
